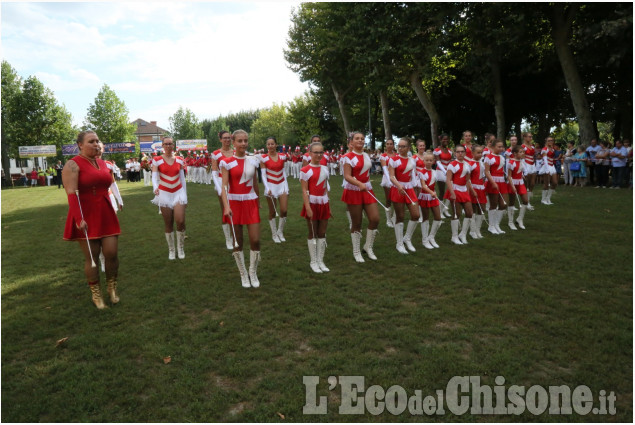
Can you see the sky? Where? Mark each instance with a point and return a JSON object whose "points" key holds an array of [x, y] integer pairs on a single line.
{"points": [[214, 58]]}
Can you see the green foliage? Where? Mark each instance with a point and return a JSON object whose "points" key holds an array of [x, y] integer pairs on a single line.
{"points": [[211, 128], [184, 125], [108, 117]]}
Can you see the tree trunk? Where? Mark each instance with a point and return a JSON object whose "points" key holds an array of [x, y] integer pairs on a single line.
{"points": [[384, 114], [6, 161], [562, 19], [497, 87], [428, 106], [339, 96], [543, 129]]}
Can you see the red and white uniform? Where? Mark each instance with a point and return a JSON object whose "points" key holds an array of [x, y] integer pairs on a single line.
{"points": [[497, 170], [420, 166], [218, 155], [443, 160], [516, 168], [385, 179], [508, 153], [405, 171], [242, 198], [274, 176], [468, 151], [529, 167], [171, 182], [547, 159], [486, 151], [360, 170], [92, 184], [318, 184], [477, 178], [460, 176], [429, 178]]}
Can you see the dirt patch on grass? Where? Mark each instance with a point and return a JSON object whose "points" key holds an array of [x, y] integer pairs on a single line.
{"points": [[239, 408]]}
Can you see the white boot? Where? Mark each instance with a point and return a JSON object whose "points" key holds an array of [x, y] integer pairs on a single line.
{"points": [[180, 244], [446, 210], [102, 260], [420, 215], [170, 238], [499, 218], [370, 241], [281, 223], [389, 217], [229, 242], [510, 218], [455, 232], [549, 193], [321, 249], [479, 223], [254, 259], [356, 238], [521, 216], [240, 262], [473, 231], [492, 222], [399, 236], [529, 206], [393, 216], [350, 221], [425, 235], [407, 239], [274, 231], [544, 197], [312, 244], [467, 223], [433, 232]]}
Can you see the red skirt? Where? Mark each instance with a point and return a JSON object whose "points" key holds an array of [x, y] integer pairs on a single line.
{"points": [[357, 197], [395, 196], [99, 216], [520, 189], [320, 211], [429, 204], [481, 197], [243, 212], [502, 187], [461, 197]]}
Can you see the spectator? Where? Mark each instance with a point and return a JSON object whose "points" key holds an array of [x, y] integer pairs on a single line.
{"points": [[591, 152], [41, 175], [629, 163], [34, 177], [618, 160], [580, 161], [23, 178], [602, 162], [557, 159], [50, 175], [568, 159], [58, 173]]}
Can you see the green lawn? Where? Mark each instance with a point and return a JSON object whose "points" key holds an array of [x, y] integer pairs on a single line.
{"points": [[551, 305]]}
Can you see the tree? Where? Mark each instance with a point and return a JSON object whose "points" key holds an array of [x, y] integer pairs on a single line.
{"points": [[304, 120], [211, 128], [108, 117], [184, 125], [11, 90]]}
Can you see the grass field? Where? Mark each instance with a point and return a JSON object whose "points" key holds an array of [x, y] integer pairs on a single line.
{"points": [[551, 305]]}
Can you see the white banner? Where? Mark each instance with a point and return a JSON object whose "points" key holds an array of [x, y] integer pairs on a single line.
{"points": [[34, 151], [195, 144]]}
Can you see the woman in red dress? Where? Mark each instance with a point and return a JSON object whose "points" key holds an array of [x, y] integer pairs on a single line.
{"points": [[168, 181], [516, 186], [443, 155], [274, 179], [91, 220], [428, 201], [240, 205], [496, 187], [225, 151], [459, 189], [314, 179], [385, 180], [402, 170], [358, 196], [479, 202]]}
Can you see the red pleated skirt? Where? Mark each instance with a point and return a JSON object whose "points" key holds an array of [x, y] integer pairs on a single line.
{"points": [[243, 212], [461, 197], [320, 211], [99, 215], [395, 196], [481, 197], [357, 197]]}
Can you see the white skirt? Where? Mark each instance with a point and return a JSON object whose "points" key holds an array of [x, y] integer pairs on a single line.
{"points": [[547, 169], [169, 200], [529, 168], [278, 189], [385, 181]]}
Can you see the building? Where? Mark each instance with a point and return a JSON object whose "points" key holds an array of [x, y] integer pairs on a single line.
{"points": [[148, 131]]}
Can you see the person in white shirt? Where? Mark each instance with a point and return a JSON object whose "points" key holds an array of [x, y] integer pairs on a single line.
{"points": [[593, 149]]}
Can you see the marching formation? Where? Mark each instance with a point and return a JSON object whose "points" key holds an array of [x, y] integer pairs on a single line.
{"points": [[460, 183]]}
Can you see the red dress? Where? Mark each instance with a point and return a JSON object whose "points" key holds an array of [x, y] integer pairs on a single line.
{"points": [[93, 184], [460, 173], [517, 176], [497, 170], [241, 196], [318, 183], [404, 174], [360, 170], [426, 200], [477, 178]]}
